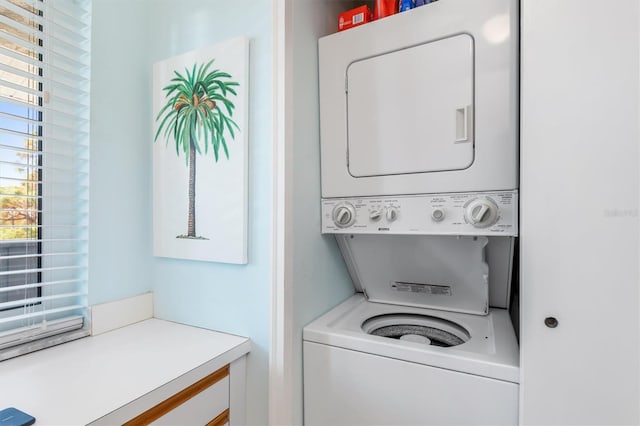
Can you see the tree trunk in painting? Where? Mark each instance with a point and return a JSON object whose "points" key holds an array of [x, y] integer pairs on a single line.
{"points": [[191, 223]]}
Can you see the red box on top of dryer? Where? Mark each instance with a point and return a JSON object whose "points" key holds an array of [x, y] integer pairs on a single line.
{"points": [[354, 17]]}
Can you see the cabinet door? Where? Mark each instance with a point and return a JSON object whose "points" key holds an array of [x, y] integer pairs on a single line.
{"points": [[579, 212]]}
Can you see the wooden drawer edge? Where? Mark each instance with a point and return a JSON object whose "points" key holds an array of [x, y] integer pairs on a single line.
{"points": [[178, 399], [221, 419]]}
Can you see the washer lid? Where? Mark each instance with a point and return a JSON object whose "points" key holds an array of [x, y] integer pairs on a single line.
{"points": [[438, 272]]}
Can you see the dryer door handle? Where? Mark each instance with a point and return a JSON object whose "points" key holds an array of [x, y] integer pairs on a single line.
{"points": [[463, 124]]}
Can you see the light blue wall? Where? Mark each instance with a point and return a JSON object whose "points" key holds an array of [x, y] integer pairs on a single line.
{"points": [[321, 280], [120, 225], [229, 298]]}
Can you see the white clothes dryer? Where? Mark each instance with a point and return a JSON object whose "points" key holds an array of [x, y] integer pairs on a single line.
{"points": [[425, 101]]}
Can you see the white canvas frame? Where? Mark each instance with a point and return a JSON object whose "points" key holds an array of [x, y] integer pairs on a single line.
{"points": [[221, 187]]}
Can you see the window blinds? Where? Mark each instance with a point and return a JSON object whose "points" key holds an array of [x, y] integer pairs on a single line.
{"points": [[44, 132]]}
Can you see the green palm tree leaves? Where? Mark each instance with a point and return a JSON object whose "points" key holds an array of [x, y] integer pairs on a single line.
{"points": [[197, 114]]}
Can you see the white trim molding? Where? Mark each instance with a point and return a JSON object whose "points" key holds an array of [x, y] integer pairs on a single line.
{"points": [[281, 353], [120, 313]]}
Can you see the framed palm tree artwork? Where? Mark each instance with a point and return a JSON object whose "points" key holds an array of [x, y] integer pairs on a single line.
{"points": [[200, 102]]}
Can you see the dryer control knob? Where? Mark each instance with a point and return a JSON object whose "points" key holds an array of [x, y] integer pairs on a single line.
{"points": [[438, 214], [481, 212], [344, 215], [392, 214]]}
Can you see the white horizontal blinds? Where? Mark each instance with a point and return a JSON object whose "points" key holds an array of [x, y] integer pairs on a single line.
{"points": [[44, 130]]}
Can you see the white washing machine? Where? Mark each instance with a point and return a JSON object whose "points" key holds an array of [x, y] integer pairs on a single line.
{"points": [[419, 186], [419, 344], [356, 378]]}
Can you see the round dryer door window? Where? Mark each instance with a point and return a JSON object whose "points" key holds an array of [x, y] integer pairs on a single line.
{"points": [[417, 328]]}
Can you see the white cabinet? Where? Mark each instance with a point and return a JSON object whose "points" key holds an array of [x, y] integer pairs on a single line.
{"points": [[151, 372], [207, 395], [205, 401], [579, 212]]}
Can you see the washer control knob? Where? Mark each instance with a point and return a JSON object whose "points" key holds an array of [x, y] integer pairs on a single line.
{"points": [[375, 215], [392, 214], [481, 212], [437, 215], [344, 215]]}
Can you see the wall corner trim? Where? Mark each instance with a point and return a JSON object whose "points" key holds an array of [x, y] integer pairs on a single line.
{"points": [[281, 379]]}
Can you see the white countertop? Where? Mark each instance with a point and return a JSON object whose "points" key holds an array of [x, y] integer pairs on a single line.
{"points": [[81, 381]]}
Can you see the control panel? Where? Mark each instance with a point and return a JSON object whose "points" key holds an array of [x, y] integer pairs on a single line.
{"points": [[477, 213]]}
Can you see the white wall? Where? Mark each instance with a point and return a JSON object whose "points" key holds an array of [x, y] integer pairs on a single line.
{"points": [[319, 278], [128, 37]]}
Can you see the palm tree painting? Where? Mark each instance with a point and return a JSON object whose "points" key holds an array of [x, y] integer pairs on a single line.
{"points": [[197, 116], [200, 159]]}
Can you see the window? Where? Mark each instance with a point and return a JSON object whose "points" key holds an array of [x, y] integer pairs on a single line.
{"points": [[20, 189], [44, 130]]}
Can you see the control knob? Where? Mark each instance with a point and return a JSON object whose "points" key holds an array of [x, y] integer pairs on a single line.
{"points": [[481, 212], [438, 214], [375, 215], [344, 215], [392, 214]]}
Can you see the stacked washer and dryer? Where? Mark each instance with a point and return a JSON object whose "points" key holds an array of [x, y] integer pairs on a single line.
{"points": [[419, 148]]}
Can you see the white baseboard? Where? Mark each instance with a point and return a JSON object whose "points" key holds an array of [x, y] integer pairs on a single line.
{"points": [[120, 313]]}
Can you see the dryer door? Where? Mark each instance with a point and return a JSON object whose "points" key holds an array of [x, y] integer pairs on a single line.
{"points": [[411, 110]]}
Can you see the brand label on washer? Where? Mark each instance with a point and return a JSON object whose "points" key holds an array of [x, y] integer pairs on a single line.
{"points": [[439, 290]]}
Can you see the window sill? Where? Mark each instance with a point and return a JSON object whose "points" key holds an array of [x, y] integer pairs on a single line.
{"points": [[79, 382]]}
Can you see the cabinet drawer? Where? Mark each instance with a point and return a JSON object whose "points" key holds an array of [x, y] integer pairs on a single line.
{"points": [[200, 409], [199, 404]]}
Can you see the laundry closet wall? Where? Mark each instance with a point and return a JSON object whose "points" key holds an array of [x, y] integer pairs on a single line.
{"points": [[314, 278], [129, 36]]}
